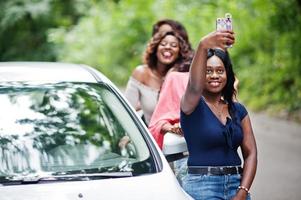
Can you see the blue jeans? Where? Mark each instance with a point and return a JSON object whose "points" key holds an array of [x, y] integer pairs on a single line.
{"points": [[180, 168], [205, 187]]}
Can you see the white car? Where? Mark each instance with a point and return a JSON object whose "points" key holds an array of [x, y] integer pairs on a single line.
{"points": [[66, 132]]}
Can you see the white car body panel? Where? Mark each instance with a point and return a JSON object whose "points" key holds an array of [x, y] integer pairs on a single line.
{"points": [[39, 71], [162, 185]]}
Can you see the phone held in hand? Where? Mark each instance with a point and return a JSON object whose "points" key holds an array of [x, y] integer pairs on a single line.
{"points": [[224, 24]]}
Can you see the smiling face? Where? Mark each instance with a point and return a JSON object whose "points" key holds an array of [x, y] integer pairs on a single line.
{"points": [[168, 50], [216, 77]]}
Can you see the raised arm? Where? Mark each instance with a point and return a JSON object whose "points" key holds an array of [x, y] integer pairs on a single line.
{"points": [[197, 73]]}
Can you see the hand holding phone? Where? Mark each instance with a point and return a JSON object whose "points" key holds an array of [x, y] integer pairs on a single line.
{"points": [[225, 24]]}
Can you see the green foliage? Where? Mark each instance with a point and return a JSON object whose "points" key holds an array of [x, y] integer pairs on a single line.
{"points": [[111, 35], [111, 38], [276, 64], [24, 26]]}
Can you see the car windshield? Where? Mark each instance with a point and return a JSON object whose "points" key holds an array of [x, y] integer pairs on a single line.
{"points": [[68, 128]]}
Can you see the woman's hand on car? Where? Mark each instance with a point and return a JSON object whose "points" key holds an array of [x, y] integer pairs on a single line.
{"points": [[172, 128]]}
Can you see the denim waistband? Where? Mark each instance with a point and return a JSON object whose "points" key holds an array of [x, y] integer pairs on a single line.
{"points": [[217, 171]]}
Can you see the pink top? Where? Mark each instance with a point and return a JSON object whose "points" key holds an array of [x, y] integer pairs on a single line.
{"points": [[168, 106]]}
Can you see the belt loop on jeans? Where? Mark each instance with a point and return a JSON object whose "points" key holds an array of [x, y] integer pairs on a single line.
{"points": [[217, 171]]}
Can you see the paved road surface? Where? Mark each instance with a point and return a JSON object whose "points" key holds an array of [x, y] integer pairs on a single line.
{"points": [[279, 159]]}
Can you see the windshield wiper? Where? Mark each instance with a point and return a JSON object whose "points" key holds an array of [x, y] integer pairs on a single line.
{"points": [[94, 175], [67, 177]]}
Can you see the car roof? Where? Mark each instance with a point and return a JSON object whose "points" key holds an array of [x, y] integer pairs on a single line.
{"points": [[48, 72]]}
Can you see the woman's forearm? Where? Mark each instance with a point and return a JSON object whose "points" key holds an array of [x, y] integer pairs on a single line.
{"points": [[250, 166], [198, 69], [196, 80]]}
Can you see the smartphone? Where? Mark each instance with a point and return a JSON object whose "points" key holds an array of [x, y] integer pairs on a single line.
{"points": [[225, 24]]}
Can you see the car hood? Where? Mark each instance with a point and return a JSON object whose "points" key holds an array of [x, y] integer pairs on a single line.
{"points": [[142, 187]]}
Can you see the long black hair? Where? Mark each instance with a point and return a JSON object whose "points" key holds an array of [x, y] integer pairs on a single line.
{"points": [[228, 92]]}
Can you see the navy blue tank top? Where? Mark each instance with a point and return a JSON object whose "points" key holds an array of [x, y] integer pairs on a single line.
{"points": [[209, 142]]}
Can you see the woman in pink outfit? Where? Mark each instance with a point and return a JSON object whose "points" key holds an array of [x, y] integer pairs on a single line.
{"points": [[167, 112], [165, 118]]}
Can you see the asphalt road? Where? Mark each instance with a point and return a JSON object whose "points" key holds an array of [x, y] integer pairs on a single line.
{"points": [[279, 159]]}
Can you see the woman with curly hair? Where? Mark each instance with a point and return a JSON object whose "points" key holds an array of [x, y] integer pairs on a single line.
{"points": [[167, 25], [166, 51]]}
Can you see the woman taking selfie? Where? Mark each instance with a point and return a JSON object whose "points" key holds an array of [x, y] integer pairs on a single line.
{"points": [[215, 126]]}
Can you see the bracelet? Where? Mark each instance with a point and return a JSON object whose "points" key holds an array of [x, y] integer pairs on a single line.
{"points": [[243, 188]]}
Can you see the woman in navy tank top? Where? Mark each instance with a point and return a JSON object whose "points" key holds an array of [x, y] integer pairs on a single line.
{"points": [[215, 126]]}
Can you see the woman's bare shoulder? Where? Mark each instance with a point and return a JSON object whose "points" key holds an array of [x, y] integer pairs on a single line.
{"points": [[141, 72]]}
